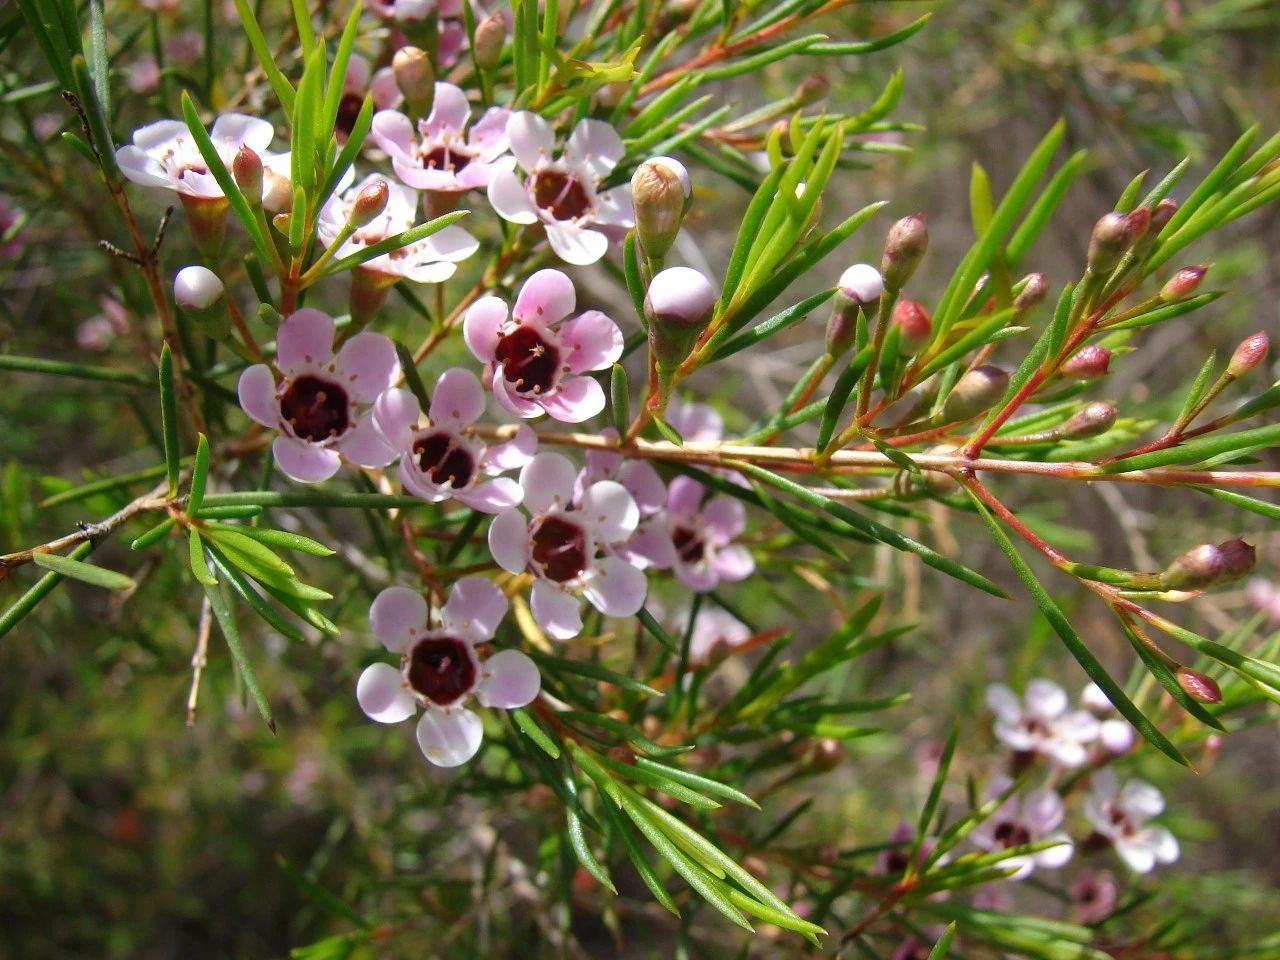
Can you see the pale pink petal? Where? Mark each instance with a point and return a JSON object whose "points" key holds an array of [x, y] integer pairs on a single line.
{"points": [[617, 589], [594, 339], [489, 133], [509, 541], [644, 485], [396, 413], [696, 421], [397, 615], [698, 577], [1046, 698], [304, 462], [1141, 798], [1042, 811], [304, 341], [258, 395], [576, 245], [557, 612], [417, 484], [386, 93], [1093, 698], [513, 454], [684, 499], [474, 609], [492, 496], [357, 75], [231, 130], [1117, 736], [510, 680], [449, 111], [1080, 725], [734, 562], [547, 480], [137, 165], [159, 133], [482, 327], [458, 400], [1002, 701], [546, 298], [609, 511], [1164, 843], [725, 516], [614, 208], [1067, 753], [367, 364], [509, 198], [1055, 857], [1138, 856], [652, 543], [511, 401], [365, 446], [449, 738], [531, 137], [381, 694], [594, 144], [452, 244], [575, 400]]}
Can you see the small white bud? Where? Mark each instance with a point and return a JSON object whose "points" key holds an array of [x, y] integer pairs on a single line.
{"points": [[197, 288]]}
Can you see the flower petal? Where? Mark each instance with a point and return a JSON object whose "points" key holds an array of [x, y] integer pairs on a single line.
{"points": [[1141, 799], [576, 245], [482, 327], [1046, 699], [397, 615], [368, 364], [474, 609], [594, 340], [653, 544], [492, 496], [546, 298], [304, 462], [532, 138], [510, 680], [617, 589], [509, 199], [489, 133], [231, 130], [509, 541], [726, 516], [644, 485], [257, 391], [610, 512], [1055, 857], [513, 454], [557, 612], [510, 400], [393, 132], [304, 341], [365, 446], [1004, 703], [575, 400], [449, 111], [449, 738], [595, 145], [395, 414], [458, 400], [381, 694], [734, 562], [548, 482], [684, 499]]}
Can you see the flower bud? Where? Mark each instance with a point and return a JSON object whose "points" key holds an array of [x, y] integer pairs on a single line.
{"points": [[416, 78], [1196, 569], [491, 37], [915, 328], [860, 286], [937, 482], [277, 192], [1108, 243], [812, 89], [1198, 686], [1162, 214], [1251, 352], [660, 191], [369, 204], [903, 250], [678, 306], [1089, 363], [1092, 420], [975, 392], [246, 168], [1183, 283], [199, 293], [1139, 222], [827, 754], [1238, 558], [1033, 292]]}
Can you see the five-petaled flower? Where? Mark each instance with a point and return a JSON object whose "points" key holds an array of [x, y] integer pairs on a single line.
{"points": [[1041, 723], [532, 358], [164, 154], [696, 538], [1120, 814], [564, 194], [317, 404], [1021, 820], [438, 459], [440, 667], [566, 546]]}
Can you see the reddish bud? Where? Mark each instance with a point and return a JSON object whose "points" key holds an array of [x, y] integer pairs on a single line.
{"points": [[491, 37], [1138, 222], [1094, 419], [1198, 686], [246, 168], [1183, 283], [1108, 242], [1196, 569], [975, 392], [915, 328], [860, 286], [1162, 214], [904, 248], [1089, 363], [1238, 558], [1034, 289], [369, 203], [828, 753], [812, 89], [1251, 352], [416, 78]]}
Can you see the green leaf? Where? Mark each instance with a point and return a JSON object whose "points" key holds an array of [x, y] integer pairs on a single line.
{"points": [[338, 71], [77, 371], [839, 397], [940, 948], [619, 399], [284, 539], [775, 324], [595, 671], [199, 566], [169, 419], [668, 432], [84, 572], [626, 731], [578, 838], [393, 243], [623, 830], [631, 274], [1160, 670], [530, 728], [649, 623], [655, 780], [981, 206], [1084, 656], [234, 540], [1198, 449], [318, 894], [38, 591], [250, 596], [154, 535], [199, 475], [695, 781], [225, 616]]}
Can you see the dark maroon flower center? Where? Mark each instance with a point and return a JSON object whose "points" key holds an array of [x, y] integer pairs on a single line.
{"points": [[1011, 834], [528, 360], [444, 459], [448, 159], [560, 549], [689, 544], [315, 408], [560, 193], [441, 669], [348, 111]]}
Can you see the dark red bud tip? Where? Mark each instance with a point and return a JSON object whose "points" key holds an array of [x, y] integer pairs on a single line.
{"points": [[1198, 686], [1139, 222], [914, 326], [1162, 214], [1238, 558], [1251, 352], [246, 168], [812, 89], [1089, 363], [828, 753], [369, 203], [1183, 283]]}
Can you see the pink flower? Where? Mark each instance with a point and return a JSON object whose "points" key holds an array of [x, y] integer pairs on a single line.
{"points": [[1121, 813], [532, 357], [13, 220], [1115, 734], [143, 75], [1042, 724], [360, 80], [98, 331], [442, 154], [1021, 820], [696, 539], [564, 194], [566, 546], [696, 422], [164, 155], [440, 669], [317, 404], [430, 260], [438, 460]]}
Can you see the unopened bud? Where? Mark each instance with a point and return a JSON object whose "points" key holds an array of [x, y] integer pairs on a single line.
{"points": [[914, 326], [828, 753], [860, 286], [1138, 222], [660, 192], [1089, 363], [1183, 283], [1108, 243], [277, 192], [938, 482], [1092, 420], [904, 248], [416, 78], [976, 391], [409, 11], [491, 37], [1196, 569], [1238, 558], [1162, 214], [678, 306], [199, 293], [369, 203], [812, 89], [1199, 686], [1251, 352], [1032, 294], [246, 167]]}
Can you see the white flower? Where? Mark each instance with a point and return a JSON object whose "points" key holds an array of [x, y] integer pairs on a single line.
{"points": [[1041, 722], [1115, 734], [164, 154], [1121, 813], [1022, 820]]}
